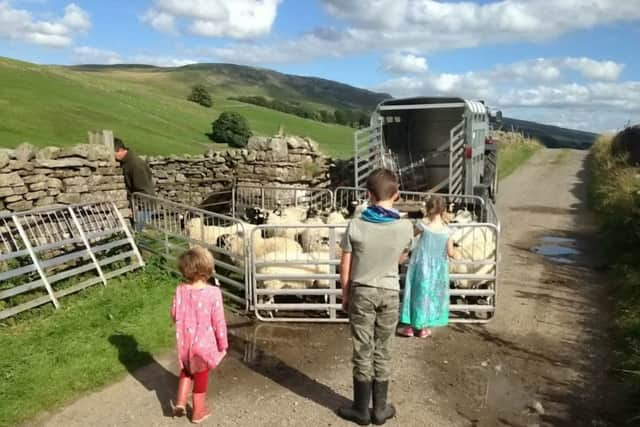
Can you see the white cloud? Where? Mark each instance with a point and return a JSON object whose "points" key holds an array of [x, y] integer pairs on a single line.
{"points": [[595, 70], [239, 19], [19, 24], [528, 89], [159, 61], [427, 26], [160, 21], [92, 55], [399, 63]]}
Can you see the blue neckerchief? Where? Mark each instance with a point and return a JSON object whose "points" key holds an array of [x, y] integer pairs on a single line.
{"points": [[378, 214]]}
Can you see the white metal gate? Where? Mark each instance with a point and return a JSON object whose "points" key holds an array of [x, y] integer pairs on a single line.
{"points": [[474, 276], [271, 197], [41, 250], [170, 228], [295, 283]]}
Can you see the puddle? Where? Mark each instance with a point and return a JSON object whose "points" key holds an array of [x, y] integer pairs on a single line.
{"points": [[557, 249]]}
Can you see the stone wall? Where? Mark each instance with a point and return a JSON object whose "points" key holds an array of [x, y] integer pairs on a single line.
{"points": [[31, 177], [278, 160]]}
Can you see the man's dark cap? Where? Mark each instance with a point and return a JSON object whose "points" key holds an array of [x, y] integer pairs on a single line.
{"points": [[118, 144]]}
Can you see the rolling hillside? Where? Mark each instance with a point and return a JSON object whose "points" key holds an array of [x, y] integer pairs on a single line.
{"points": [[146, 106], [550, 136]]}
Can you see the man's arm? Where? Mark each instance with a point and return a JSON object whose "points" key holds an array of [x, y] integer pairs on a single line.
{"points": [[345, 274]]}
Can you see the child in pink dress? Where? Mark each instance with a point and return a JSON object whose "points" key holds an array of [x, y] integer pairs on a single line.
{"points": [[201, 330]]}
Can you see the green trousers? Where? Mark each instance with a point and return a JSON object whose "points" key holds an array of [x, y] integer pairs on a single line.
{"points": [[373, 316]]}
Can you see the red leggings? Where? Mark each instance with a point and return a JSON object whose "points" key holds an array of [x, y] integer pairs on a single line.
{"points": [[200, 380]]}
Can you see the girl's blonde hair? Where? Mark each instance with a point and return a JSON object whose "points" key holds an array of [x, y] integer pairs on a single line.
{"points": [[436, 205], [196, 264]]}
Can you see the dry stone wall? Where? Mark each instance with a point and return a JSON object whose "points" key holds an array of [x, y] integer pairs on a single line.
{"points": [[278, 160], [31, 177]]}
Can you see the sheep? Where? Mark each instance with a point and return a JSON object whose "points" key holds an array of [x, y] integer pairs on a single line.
{"points": [[211, 233], [472, 244], [302, 269], [317, 239], [263, 248]]}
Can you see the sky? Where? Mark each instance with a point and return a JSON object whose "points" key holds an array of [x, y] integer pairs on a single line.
{"points": [[572, 63]]}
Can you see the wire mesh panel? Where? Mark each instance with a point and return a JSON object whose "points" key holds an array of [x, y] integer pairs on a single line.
{"points": [[48, 253], [294, 273], [167, 229], [273, 197]]}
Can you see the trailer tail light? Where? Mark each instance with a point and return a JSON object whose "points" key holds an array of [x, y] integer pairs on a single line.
{"points": [[489, 140], [468, 152]]}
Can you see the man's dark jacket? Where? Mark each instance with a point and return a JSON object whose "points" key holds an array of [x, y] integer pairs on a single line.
{"points": [[137, 174]]}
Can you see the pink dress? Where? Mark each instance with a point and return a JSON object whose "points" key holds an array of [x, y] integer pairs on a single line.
{"points": [[201, 331]]}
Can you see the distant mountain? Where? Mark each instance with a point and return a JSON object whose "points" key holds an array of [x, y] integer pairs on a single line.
{"points": [[243, 80], [550, 136]]}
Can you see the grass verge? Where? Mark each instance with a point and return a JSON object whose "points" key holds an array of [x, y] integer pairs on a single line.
{"points": [[615, 196], [48, 360], [514, 150]]}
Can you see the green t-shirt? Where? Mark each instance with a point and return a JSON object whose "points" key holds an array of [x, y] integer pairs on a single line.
{"points": [[376, 248]]}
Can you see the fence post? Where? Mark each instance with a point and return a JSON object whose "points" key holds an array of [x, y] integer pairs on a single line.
{"points": [[88, 246], [32, 253]]}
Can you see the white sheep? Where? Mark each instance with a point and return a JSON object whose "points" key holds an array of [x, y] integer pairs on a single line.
{"points": [[473, 244], [211, 233], [263, 248], [322, 258]]}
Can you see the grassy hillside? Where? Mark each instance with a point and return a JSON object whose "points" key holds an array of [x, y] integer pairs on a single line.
{"points": [[146, 106], [550, 136]]}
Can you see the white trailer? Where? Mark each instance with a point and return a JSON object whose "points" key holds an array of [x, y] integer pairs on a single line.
{"points": [[433, 144]]}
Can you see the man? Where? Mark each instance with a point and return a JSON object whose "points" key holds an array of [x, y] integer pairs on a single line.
{"points": [[137, 177]]}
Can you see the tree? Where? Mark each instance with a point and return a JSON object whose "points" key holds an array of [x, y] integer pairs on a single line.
{"points": [[200, 95], [231, 128]]}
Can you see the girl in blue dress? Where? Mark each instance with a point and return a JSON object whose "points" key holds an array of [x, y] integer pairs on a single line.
{"points": [[426, 293]]}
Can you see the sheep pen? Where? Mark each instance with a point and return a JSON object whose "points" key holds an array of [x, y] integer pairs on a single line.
{"points": [[290, 253]]}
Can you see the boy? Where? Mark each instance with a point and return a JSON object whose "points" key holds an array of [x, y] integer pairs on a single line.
{"points": [[371, 248]]}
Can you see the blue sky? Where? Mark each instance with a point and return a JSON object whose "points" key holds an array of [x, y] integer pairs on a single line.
{"points": [[567, 62]]}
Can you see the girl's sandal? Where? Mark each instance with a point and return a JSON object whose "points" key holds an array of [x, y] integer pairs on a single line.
{"points": [[407, 331], [424, 333]]}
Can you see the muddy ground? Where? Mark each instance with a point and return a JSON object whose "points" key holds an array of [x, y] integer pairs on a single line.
{"points": [[548, 346]]}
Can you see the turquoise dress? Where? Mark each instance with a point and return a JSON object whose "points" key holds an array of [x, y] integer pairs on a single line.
{"points": [[425, 302]]}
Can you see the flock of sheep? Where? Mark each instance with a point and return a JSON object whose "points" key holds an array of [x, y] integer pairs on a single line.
{"points": [[307, 240]]}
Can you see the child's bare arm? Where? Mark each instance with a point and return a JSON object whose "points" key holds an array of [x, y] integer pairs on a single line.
{"points": [[345, 274], [174, 307]]}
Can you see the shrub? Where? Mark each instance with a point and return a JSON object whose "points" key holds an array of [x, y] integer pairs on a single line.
{"points": [[200, 95], [231, 128]]}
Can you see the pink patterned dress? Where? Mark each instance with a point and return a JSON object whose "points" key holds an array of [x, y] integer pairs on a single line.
{"points": [[201, 331]]}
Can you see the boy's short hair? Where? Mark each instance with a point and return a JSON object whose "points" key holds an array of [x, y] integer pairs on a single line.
{"points": [[382, 183], [118, 144], [196, 264]]}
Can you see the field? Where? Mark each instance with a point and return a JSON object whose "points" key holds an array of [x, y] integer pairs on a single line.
{"points": [[147, 108]]}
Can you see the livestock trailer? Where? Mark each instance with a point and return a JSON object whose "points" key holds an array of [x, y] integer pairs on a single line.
{"points": [[433, 144]]}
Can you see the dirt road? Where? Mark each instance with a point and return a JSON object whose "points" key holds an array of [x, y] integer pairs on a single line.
{"points": [[546, 345]]}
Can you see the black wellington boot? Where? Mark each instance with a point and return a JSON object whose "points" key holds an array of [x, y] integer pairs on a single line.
{"points": [[359, 411], [381, 410]]}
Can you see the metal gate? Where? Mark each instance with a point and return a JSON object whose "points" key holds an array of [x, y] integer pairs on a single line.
{"points": [[473, 278], [270, 197], [167, 229], [48, 253], [292, 283]]}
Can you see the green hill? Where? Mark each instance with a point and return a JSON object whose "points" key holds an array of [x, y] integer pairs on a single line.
{"points": [[146, 106]]}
